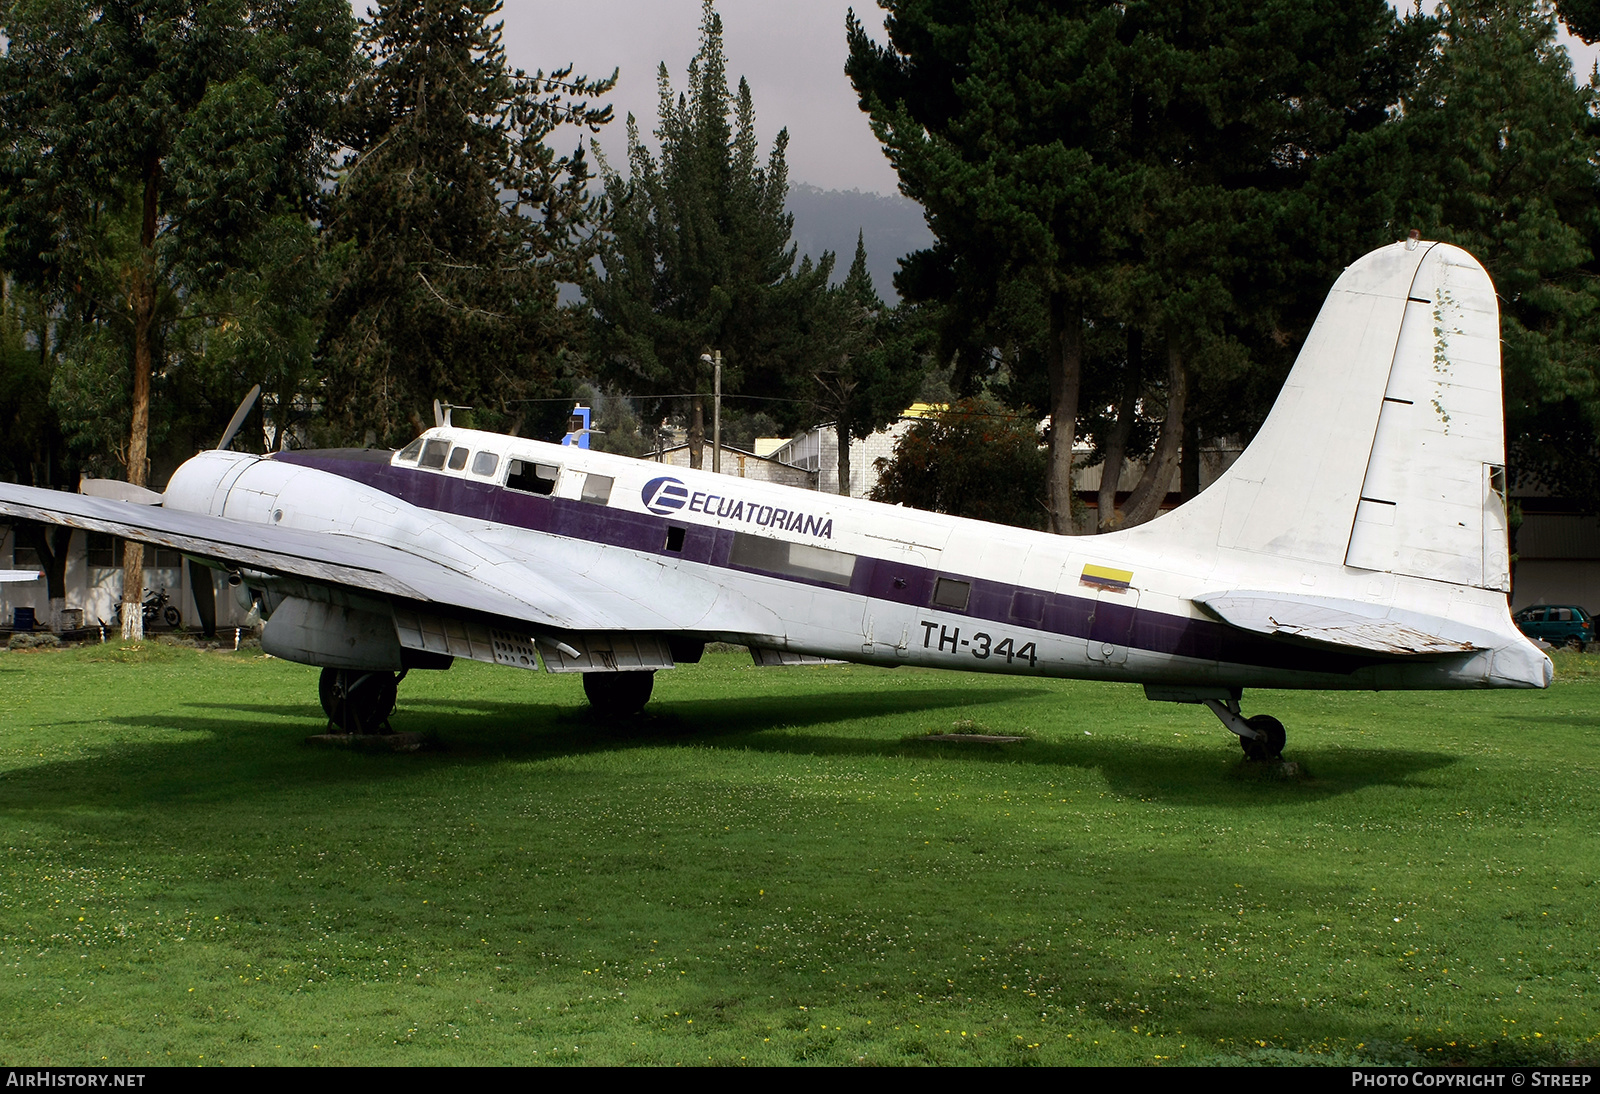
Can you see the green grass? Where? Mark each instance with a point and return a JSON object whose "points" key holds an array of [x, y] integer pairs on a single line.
{"points": [[770, 868]]}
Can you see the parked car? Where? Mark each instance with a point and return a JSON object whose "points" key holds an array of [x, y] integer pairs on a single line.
{"points": [[1557, 624]]}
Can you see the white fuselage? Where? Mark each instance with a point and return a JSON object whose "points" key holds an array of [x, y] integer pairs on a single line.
{"points": [[781, 568]]}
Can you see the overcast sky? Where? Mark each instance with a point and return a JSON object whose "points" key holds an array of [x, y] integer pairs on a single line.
{"points": [[792, 54]]}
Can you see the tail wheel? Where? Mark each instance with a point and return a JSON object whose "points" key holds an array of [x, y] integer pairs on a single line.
{"points": [[618, 694], [357, 701], [1269, 744]]}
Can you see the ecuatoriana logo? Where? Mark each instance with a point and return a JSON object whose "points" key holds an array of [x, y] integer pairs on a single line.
{"points": [[664, 496], [667, 496]]}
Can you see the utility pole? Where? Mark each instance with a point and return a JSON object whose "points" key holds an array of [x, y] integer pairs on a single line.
{"points": [[714, 359]]}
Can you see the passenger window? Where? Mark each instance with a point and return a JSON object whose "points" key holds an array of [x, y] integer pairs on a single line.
{"points": [[484, 463], [531, 477], [950, 593], [433, 455], [458, 459], [597, 488], [1027, 607], [793, 559], [409, 453]]}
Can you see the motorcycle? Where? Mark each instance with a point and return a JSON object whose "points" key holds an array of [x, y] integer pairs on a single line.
{"points": [[157, 608]]}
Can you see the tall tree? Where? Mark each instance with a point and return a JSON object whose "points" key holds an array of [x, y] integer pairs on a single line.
{"points": [[1502, 148], [1127, 163], [460, 223], [143, 142], [864, 363], [700, 257]]}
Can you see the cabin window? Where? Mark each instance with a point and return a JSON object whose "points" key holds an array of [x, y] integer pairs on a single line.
{"points": [[597, 488], [410, 452], [950, 593], [531, 477], [674, 538], [433, 455], [458, 459], [792, 559], [1027, 607], [484, 463]]}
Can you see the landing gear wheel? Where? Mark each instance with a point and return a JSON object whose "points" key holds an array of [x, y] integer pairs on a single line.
{"points": [[1268, 746], [357, 701], [618, 694]]}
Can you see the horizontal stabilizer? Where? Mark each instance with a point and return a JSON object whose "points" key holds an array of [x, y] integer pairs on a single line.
{"points": [[1343, 624]]}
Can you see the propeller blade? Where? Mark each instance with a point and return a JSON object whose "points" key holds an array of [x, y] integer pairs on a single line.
{"points": [[439, 416], [238, 417]]}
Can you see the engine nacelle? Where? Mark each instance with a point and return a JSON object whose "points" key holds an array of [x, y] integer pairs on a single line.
{"points": [[331, 636]]}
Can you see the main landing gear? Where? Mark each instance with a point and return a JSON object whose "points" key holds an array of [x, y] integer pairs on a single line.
{"points": [[1262, 737], [618, 694], [358, 701]]}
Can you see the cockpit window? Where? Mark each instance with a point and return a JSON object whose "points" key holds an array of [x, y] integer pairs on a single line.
{"points": [[531, 477], [458, 459], [433, 455], [484, 463], [409, 453]]}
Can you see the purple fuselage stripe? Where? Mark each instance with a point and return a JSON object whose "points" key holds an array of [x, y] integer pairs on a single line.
{"points": [[878, 579]]}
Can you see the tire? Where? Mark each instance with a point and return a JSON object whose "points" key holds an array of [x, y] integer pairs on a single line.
{"points": [[618, 694], [357, 701], [170, 616], [1267, 747]]}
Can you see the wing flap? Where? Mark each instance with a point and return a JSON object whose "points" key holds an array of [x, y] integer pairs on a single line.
{"points": [[1343, 624]]}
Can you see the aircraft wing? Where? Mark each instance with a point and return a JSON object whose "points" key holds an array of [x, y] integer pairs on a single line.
{"points": [[548, 597], [1348, 625]]}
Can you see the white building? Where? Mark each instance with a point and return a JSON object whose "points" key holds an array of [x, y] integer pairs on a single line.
{"points": [[93, 585]]}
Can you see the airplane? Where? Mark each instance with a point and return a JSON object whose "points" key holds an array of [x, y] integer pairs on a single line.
{"points": [[1359, 542]]}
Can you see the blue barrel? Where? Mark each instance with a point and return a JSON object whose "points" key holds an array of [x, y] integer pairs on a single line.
{"points": [[22, 619]]}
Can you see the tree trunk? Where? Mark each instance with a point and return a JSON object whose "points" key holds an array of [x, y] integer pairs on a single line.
{"points": [[1145, 501], [51, 547], [1117, 443], [842, 433], [1064, 360], [142, 298], [1189, 461], [697, 432]]}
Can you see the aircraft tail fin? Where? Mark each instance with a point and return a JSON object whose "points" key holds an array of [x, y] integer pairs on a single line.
{"points": [[1386, 448]]}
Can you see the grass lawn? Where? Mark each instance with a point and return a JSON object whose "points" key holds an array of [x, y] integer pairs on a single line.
{"points": [[770, 868]]}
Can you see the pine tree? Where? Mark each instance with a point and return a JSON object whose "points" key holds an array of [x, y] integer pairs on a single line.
{"points": [[862, 365], [459, 223], [1502, 148], [699, 257], [1095, 167]]}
